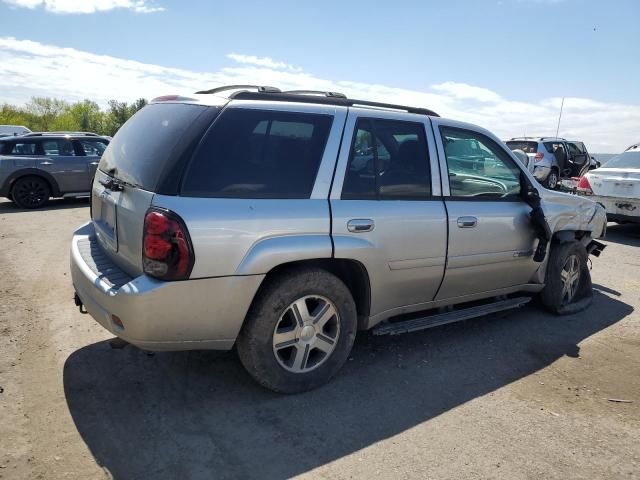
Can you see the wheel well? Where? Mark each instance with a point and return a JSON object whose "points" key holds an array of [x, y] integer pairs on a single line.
{"points": [[565, 236], [351, 272], [52, 190]]}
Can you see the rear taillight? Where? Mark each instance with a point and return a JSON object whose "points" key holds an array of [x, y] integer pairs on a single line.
{"points": [[167, 252], [539, 156], [584, 186]]}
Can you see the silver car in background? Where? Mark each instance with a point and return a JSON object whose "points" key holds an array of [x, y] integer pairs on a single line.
{"points": [[37, 166], [284, 222], [544, 153]]}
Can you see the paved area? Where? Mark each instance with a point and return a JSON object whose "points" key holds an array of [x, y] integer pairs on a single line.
{"points": [[513, 396]]}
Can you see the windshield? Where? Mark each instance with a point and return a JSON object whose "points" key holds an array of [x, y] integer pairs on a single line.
{"points": [[143, 148], [629, 159], [526, 147]]}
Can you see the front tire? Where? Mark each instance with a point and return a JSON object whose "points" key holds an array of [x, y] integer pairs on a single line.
{"points": [[299, 331], [30, 192], [568, 286]]}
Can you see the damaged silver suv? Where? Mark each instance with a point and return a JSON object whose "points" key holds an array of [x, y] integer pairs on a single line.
{"points": [[284, 222]]}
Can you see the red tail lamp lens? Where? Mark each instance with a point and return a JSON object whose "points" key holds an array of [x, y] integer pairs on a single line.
{"points": [[584, 186], [167, 252], [156, 223]]}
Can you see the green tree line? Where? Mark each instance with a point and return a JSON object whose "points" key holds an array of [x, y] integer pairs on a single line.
{"points": [[44, 114]]}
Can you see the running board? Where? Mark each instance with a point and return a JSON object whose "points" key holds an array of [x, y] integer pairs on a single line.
{"points": [[438, 319]]}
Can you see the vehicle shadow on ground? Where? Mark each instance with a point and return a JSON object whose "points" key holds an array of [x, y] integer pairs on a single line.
{"points": [[199, 415], [626, 234], [7, 206]]}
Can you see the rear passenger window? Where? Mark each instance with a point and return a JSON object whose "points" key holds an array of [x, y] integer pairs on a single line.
{"points": [[21, 148], [259, 154], [389, 160]]}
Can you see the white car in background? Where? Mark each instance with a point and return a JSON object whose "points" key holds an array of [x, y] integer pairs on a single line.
{"points": [[616, 185]]}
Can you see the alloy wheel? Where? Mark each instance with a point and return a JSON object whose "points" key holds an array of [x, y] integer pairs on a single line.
{"points": [[30, 193], [306, 334], [570, 279]]}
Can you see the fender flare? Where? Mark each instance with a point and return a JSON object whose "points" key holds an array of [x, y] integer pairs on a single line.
{"points": [[23, 172]]}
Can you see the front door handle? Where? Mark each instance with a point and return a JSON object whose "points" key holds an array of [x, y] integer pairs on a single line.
{"points": [[359, 225], [46, 163], [467, 222], [93, 163]]}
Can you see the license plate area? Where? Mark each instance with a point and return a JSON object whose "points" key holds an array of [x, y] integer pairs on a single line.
{"points": [[105, 218]]}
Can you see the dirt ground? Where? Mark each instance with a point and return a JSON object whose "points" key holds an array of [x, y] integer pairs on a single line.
{"points": [[513, 396]]}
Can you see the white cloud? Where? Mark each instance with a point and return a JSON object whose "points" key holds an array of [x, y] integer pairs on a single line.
{"points": [[86, 6], [32, 68], [262, 62]]}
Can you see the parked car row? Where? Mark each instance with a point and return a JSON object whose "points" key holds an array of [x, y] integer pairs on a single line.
{"points": [[282, 223], [37, 166]]}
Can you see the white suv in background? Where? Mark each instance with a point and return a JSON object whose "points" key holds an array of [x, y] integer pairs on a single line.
{"points": [[543, 154]]}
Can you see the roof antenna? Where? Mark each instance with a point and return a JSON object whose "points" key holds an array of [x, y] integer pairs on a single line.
{"points": [[559, 117]]}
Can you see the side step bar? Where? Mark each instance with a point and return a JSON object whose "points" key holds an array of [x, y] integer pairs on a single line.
{"points": [[438, 319]]}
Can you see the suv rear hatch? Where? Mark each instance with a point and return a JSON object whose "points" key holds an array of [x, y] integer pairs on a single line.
{"points": [[146, 156]]}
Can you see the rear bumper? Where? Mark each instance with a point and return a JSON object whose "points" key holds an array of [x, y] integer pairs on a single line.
{"points": [[541, 172], [619, 209], [187, 315]]}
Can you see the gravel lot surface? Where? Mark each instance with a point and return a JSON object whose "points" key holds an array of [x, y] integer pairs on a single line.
{"points": [[511, 396]]}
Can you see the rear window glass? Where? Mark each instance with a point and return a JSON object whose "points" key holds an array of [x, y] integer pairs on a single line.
{"points": [[625, 160], [526, 147], [20, 148], [259, 154], [143, 147]]}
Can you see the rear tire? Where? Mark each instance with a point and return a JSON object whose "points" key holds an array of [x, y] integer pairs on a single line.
{"points": [[552, 180], [299, 331], [568, 286], [30, 192]]}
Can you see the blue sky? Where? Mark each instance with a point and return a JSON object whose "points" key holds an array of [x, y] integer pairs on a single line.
{"points": [[484, 61]]}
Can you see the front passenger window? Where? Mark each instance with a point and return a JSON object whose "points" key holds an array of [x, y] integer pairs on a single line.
{"points": [[478, 166]]}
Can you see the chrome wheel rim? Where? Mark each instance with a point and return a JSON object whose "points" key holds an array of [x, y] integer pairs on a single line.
{"points": [[30, 193], [306, 334], [570, 278], [553, 180]]}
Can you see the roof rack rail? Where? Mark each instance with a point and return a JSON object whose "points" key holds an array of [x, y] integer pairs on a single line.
{"points": [[42, 134], [552, 138], [346, 102], [264, 88], [316, 92]]}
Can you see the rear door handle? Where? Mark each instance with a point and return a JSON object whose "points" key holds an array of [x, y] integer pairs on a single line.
{"points": [[359, 225], [467, 222], [93, 163], [46, 163]]}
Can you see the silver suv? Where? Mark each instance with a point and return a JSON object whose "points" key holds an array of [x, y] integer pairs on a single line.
{"points": [[37, 166], [553, 158], [284, 222]]}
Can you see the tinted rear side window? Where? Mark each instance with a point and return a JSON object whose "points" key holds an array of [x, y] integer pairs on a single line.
{"points": [[259, 154], [21, 148], [144, 146], [526, 147]]}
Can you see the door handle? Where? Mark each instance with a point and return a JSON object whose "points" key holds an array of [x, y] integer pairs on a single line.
{"points": [[467, 222], [46, 163], [359, 225], [93, 163]]}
